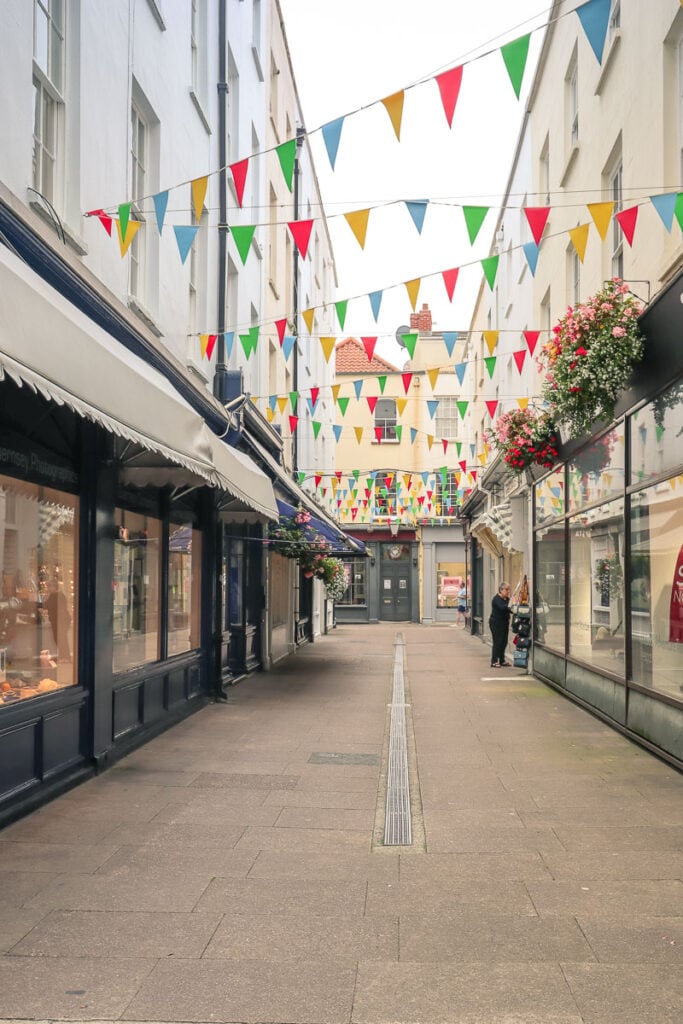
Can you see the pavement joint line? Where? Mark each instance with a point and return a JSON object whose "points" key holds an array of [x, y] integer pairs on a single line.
{"points": [[397, 822]]}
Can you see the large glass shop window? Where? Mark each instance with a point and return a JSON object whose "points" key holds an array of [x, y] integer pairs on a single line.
{"points": [[38, 590], [355, 572], [597, 609], [184, 587], [450, 578], [136, 589], [549, 599], [657, 587]]}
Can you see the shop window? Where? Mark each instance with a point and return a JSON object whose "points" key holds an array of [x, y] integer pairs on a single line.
{"points": [[549, 595], [39, 590], [136, 590], [656, 434], [450, 577], [445, 502], [656, 587], [596, 566], [386, 419], [356, 579], [184, 587], [386, 493], [597, 471], [549, 499]]}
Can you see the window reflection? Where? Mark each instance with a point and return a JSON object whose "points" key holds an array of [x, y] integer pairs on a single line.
{"points": [[184, 582], [596, 614], [656, 434], [549, 600], [135, 591], [597, 472], [355, 571]]}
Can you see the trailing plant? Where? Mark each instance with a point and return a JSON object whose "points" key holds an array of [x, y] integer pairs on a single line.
{"points": [[524, 438], [293, 537], [589, 359], [334, 578]]}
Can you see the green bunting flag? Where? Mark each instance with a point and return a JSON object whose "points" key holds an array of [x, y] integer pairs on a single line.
{"points": [[243, 236], [490, 268], [514, 55], [490, 364], [316, 424], [341, 312], [462, 408], [301, 477], [286, 155], [382, 381], [409, 340], [399, 430], [343, 404], [293, 398], [474, 218]]}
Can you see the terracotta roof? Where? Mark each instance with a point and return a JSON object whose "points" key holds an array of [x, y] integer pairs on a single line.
{"points": [[351, 357]]}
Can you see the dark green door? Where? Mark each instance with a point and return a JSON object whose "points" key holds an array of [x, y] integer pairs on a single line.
{"points": [[394, 583]]}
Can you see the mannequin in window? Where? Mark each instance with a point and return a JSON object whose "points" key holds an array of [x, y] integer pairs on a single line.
{"points": [[57, 610]]}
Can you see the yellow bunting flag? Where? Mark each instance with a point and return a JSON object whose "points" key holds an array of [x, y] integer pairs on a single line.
{"points": [[433, 376], [199, 194], [491, 339], [400, 405], [270, 415], [203, 344], [358, 431], [406, 480], [522, 403], [579, 237], [282, 402], [430, 441], [602, 215], [328, 347], [358, 222], [308, 315], [482, 458], [335, 392], [394, 108], [413, 288], [132, 229]]}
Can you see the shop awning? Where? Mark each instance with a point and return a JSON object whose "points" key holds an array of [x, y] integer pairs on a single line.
{"points": [[339, 541], [493, 529], [49, 346]]}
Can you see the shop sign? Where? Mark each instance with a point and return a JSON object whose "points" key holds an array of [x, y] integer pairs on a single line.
{"points": [[32, 463], [676, 605]]}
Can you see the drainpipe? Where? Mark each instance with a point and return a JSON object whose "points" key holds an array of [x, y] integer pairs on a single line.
{"points": [[220, 379], [295, 291]]}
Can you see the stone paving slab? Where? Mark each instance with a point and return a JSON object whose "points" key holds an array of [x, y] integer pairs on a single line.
{"points": [[451, 898], [626, 994], [638, 940], [311, 840], [324, 798], [15, 923], [249, 896], [125, 888], [611, 900]]}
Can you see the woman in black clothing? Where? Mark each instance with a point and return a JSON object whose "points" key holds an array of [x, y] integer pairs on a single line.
{"points": [[499, 623]]}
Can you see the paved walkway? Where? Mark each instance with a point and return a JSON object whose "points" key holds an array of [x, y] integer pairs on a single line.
{"points": [[230, 870]]}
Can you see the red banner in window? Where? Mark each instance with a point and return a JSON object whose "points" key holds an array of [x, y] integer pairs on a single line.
{"points": [[676, 606]]}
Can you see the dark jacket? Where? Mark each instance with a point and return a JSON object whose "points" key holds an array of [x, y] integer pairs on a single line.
{"points": [[500, 612]]}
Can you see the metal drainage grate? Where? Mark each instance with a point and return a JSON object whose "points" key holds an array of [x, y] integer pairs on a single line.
{"points": [[333, 758], [397, 824]]}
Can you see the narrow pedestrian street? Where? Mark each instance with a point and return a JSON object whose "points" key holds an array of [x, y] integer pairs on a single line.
{"points": [[234, 868]]}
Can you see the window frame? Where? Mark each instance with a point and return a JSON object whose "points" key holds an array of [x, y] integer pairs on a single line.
{"points": [[49, 93], [387, 422]]}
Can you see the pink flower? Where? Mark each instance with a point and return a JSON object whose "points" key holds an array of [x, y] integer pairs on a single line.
{"points": [[618, 332]]}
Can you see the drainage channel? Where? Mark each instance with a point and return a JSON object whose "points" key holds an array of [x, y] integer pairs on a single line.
{"points": [[397, 820]]}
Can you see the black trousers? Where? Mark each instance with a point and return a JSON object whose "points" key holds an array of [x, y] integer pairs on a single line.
{"points": [[499, 635]]}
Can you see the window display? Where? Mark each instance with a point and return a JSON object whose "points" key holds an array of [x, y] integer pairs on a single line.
{"points": [[450, 578], [39, 590], [184, 583], [356, 578], [549, 599], [135, 591]]}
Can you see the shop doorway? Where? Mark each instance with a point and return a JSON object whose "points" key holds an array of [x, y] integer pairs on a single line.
{"points": [[394, 583]]}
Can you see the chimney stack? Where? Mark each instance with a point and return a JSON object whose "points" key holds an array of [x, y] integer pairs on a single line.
{"points": [[422, 321]]}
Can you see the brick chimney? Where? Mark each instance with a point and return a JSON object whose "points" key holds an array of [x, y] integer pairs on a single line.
{"points": [[422, 321]]}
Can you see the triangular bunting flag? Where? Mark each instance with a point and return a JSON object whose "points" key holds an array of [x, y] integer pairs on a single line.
{"points": [[286, 154], [394, 107], [308, 315], [531, 251], [490, 364], [184, 236], [239, 177], [460, 369], [519, 358], [444, 442], [492, 405], [132, 228], [413, 435], [281, 327], [474, 218], [358, 431], [341, 312], [343, 404], [531, 337], [432, 406], [410, 341], [331, 135], [378, 434], [407, 379], [401, 405], [243, 236], [293, 399], [627, 222], [316, 424], [579, 237], [665, 206], [382, 381], [199, 194], [678, 210], [335, 392], [537, 217], [293, 420], [327, 347], [229, 342], [358, 387], [288, 345], [337, 431], [450, 278], [514, 56], [160, 201], [282, 403], [417, 210], [124, 217], [358, 222], [372, 402], [376, 300], [433, 377], [413, 288], [211, 344], [462, 408], [430, 441], [104, 219], [203, 344], [491, 339], [449, 86], [301, 233], [594, 17], [449, 340], [601, 214], [490, 268], [369, 346]]}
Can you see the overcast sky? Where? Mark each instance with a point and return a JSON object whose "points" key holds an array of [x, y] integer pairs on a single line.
{"points": [[348, 54]]}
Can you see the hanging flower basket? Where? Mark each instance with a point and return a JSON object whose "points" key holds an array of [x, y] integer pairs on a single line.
{"points": [[293, 537], [334, 578], [608, 576], [524, 438], [589, 359]]}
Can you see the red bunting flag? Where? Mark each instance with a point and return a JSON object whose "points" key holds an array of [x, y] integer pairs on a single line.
{"points": [[301, 233], [293, 420], [104, 219], [407, 379], [473, 475], [318, 478], [281, 326], [444, 442], [354, 513], [314, 395], [449, 279], [239, 176], [369, 346], [449, 86], [388, 481], [537, 217], [627, 222], [492, 405], [372, 402], [531, 337], [378, 434], [210, 345], [338, 474], [519, 358], [463, 465], [421, 499]]}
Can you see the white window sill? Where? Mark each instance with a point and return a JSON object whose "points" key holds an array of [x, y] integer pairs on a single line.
{"points": [[136, 307], [257, 61], [158, 16], [273, 289], [70, 237], [389, 440], [571, 160], [199, 107], [608, 61]]}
